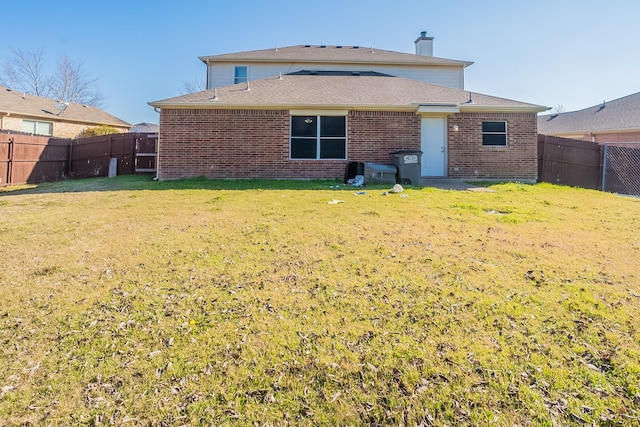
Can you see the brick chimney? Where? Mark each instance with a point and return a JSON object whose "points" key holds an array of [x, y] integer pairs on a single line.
{"points": [[424, 45]]}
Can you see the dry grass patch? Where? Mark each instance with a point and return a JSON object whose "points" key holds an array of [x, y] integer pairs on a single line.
{"points": [[258, 303]]}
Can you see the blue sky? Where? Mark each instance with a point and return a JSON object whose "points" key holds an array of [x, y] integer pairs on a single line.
{"points": [[561, 52]]}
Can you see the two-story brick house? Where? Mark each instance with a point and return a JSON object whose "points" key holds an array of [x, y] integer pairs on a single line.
{"points": [[306, 111]]}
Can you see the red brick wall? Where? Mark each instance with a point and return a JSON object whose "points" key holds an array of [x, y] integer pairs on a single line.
{"points": [[255, 143], [602, 138], [468, 158], [375, 135], [615, 137], [222, 143]]}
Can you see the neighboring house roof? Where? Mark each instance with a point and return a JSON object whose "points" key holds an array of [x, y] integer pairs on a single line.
{"points": [[145, 128], [340, 92], [39, 107], [622, 115], [333, 54]]}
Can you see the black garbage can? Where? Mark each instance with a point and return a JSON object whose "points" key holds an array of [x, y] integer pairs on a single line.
{"points": [[408, 163], [352, 170]]}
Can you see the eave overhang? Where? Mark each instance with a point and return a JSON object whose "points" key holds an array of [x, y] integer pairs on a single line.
{"points": [[441, 64]]}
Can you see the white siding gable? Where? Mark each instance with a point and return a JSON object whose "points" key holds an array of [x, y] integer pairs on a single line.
{"points": [[220, 75]]}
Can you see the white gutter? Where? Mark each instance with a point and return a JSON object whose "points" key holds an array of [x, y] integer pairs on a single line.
{"points": [[503, 109]]}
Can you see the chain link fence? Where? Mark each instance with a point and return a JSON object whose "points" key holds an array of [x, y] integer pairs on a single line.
{"points": [[621, 168]]}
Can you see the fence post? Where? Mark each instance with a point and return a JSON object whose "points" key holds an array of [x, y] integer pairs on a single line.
{"points": [[542, 141], [70, 161], [9, 161], [604, 166], [109, 157], [134, 149]]}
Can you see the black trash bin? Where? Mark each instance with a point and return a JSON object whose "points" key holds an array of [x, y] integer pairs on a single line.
{"points": [[408, 163], [353, 169]]}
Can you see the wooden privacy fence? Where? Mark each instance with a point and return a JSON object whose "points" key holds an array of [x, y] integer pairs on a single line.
{"points": [[570, 162], [26, 159]]}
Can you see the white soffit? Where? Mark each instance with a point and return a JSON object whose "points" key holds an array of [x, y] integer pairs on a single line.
{"points": [[438, 108], [318, 112]]}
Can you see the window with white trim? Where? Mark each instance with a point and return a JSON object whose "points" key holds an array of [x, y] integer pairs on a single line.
{"points": [[37, 128], [494, 133], [318, 137], [240, 75]]}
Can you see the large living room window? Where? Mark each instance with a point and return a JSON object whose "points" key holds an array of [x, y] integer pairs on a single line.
{"points": [[37, 128], [494, 133], [319, 137]]}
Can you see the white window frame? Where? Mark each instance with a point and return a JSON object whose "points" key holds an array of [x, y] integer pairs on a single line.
{"points": [[236, 78], [505, 133], [35, 127], [318, 138]]}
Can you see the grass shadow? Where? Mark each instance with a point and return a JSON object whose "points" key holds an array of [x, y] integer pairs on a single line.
{"points": [[146, 182]]}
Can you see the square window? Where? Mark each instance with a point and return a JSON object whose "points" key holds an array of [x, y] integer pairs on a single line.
{"points": [[332, 149], [333, 126], [318, 137], [494, 133], [304, 127], [302, 148]]}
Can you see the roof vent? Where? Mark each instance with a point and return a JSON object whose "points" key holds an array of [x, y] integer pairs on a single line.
{"points": [[470, 101]]}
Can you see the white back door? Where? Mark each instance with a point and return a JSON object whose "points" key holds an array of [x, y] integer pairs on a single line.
{"points": [[434, 146]]}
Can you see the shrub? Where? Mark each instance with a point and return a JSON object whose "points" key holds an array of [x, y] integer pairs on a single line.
{"points": [[97, 131]]}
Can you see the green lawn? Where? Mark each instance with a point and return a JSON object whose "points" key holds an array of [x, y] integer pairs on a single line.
{"points": [[131, 302]]}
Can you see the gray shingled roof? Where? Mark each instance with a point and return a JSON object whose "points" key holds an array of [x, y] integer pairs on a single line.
{"points": [[18, 103], [622, 114], [352, 92], [333, 54]]}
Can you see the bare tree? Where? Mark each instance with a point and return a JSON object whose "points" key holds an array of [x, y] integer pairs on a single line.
{"points": [[71, 83], [196, 85], [26, 71]]}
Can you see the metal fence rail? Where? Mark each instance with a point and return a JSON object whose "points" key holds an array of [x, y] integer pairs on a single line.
{"points": [[621, 168]]}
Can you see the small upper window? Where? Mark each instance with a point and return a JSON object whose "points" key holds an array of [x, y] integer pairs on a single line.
{"points": [[37, 128], [494, 133], [240, 75]]}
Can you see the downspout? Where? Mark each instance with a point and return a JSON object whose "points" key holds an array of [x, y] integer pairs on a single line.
{"points": [[207, 79], [157, 110]]}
